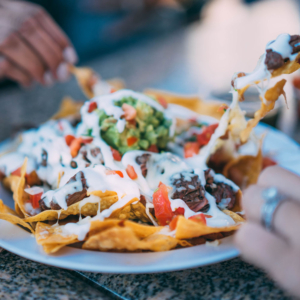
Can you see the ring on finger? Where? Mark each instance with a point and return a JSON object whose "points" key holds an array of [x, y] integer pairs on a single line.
{"points": [[272, 199]]}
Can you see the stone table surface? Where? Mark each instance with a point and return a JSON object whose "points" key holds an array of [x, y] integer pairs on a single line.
{"points": [[155, 63]]}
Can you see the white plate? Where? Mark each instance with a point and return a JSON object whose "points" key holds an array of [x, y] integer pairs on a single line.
{"points": [[20, 242]]}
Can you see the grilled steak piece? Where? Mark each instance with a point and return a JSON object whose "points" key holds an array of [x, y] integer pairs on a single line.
{"points": [[142, 161], [273, 60], [223, 192], [295, 43], [71, 198], [191, 192]]}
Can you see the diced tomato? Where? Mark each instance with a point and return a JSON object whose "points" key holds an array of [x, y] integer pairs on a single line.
{"points": [[131, 140], [131, 172], [267, 162], [34, 199], [87, 139], [60, 126], [162, 206], [179, 211], [114, 172], [204, 137], [112, 90], [92, 106], [16, 172], [69, 138], [153, 148], [116, 154], [162, 101], [200, 218], [75, 146], [191, 149], [173, 223]]}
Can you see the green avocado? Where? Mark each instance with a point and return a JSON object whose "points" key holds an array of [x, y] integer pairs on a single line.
{"points": [[150, 128]]}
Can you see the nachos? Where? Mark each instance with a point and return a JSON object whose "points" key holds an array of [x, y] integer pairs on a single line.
{"points": [[127, 171]]}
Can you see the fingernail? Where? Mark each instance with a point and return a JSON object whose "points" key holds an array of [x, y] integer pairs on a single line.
{"points": [[62, 72], [48, 79], [70, 55]]}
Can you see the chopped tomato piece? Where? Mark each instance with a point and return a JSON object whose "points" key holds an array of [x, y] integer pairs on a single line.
{"points": [[69, 138], [131, 172], [92, 106], [191, 149], [116, 154], [179, 211], [131, 140], [112, 90], [268, 162], [87, 140], [173, 223], [35, 194], [162, 101], [113, 172], [153, 148], [60, 126], [75, 146], [34, 199], [204, 137], [162, 205], [200, 218], [16, 172], [129, 112]]}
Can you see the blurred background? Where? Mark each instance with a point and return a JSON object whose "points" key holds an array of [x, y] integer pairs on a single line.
{"points": [[183, 46]]}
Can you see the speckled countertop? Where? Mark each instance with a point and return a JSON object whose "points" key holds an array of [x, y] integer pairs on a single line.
{"points": [[159, 63]]}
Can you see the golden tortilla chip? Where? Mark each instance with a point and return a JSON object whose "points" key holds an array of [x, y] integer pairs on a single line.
{"points": [[244, 170], [193, 103], [124, 239], [68, 107], [51, 237], [87, 77], [11, 216], [187, 229], [11, 182], [271, 96]]}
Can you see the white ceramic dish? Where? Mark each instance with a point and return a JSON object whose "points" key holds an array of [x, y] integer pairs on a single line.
{"points": [[20, 242]]}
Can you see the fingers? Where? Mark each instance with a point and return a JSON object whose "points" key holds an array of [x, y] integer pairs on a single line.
{"points": [[286, 219], [17, 51], [11, 71], [49, 26], [259, 246], [286, 181], [47, 49], [270, 253]]}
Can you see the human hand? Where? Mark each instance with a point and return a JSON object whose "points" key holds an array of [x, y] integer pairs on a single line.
{"points": [[32, 46], [277, 252]]}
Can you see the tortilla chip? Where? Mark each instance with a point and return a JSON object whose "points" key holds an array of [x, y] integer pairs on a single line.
{"points": [[86, 77], [51, 237], [288, 68], [68, 107], [11, 182], [244, 170], [11, 216], [123, 238], [193, 103], [271, 96], [187, 229], [88, 209], [236, 218]]}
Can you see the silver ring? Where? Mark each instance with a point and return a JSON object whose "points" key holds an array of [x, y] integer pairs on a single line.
{"points": [[272, 199]]}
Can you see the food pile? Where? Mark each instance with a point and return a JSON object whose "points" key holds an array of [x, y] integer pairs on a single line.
{"points": [[152, 171]]}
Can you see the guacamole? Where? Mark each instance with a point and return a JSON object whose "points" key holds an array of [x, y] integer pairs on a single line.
{"points": [[148, 128]]}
